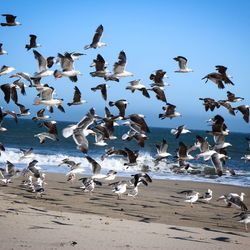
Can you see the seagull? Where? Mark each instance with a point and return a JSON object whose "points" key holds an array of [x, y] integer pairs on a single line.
{"points": [[100, 67], [132, 134], [119, 188], [96, 168], [158, 78], [2, 51], [232, 98], [136, 85], [183, 152], [3, 114], [6, 70], [80, 131], [24, 76], [40, 115], [160, 95], [67, 65], [137, 123], [209, 103], [169, 112], [111, 174], [46, 94], [216, 78], [131, 156], [162, 149], [23, 110], [207, 196], [246, 157], [112, 151], [119, 68], [9, 172], [179, 130], [96, 39], [33, 43], [27, 153], [77, 98], [222, 70], [10, 20], [192, 198], [218, 126], [220, 142], [51, 134], [43, 65], [10, 92], [244, 218], [103, 88], [226, 104], [121, 105], [88, 184], [182, 61], [234, 199], [244, 110]]}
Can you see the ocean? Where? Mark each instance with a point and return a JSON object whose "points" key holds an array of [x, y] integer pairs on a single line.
{"points": [[50, 154]]}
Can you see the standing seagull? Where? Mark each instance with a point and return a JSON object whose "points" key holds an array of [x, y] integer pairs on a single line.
{"points": [[182, 61], [10, 20], [96, 39], [244, 218], [192, 198], [33, 43]]}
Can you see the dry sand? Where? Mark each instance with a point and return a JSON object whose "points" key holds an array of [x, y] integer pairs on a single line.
{"points": [[158, 218]]}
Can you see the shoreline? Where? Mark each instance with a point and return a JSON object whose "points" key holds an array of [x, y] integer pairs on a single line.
{"points": [[157, 216]]}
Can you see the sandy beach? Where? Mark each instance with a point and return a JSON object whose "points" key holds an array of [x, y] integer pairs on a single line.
{"points": [[158, 218]]}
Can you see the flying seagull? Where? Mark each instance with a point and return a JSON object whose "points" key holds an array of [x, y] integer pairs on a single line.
{"points": [[10, 20], [6, 70], [33, 43], [2, 51], [96, 43], [103, 88], [182, 61], [136, 85], [77, 98]]}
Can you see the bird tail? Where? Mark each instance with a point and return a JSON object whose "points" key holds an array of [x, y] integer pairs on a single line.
{"points": [[3, 24], [69, 104], [93, 89], [37, 101], [111, 104], [87, 47], [161, 116], [27, 47]]}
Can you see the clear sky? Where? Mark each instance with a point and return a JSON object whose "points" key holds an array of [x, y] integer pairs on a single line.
{"points": [[151, 33]]}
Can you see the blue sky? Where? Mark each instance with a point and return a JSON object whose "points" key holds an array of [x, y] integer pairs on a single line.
{"points": [[151, 33]]}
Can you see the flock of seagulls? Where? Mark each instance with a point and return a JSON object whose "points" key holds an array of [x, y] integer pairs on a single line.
{"points": [[103, 128]]}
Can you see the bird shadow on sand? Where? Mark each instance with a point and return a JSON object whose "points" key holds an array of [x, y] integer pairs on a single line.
{"points": [[181, 229], [224, 232], [189, 239], [40, 227], [61, 223], [223, 239]]}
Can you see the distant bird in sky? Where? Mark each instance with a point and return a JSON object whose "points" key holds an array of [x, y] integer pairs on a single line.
{"points": [[121, 105], [96, 43], [136, 85], [43, 65], [209, 103], [10, 20], [244, 110], [10, 92], [119, 68], [67, 65], [232, 98], [103, 88], [182, 62], [76, 98], [170, 112], [160, 94], [6, 70], [100, 67], [2, 51], [33, 43], [23, 110], [158, 78]]}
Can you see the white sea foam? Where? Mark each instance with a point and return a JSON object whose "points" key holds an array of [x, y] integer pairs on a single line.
{"points": [[50, 162]]}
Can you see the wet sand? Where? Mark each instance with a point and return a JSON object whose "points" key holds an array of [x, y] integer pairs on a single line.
{"points": [[157, 218]]}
